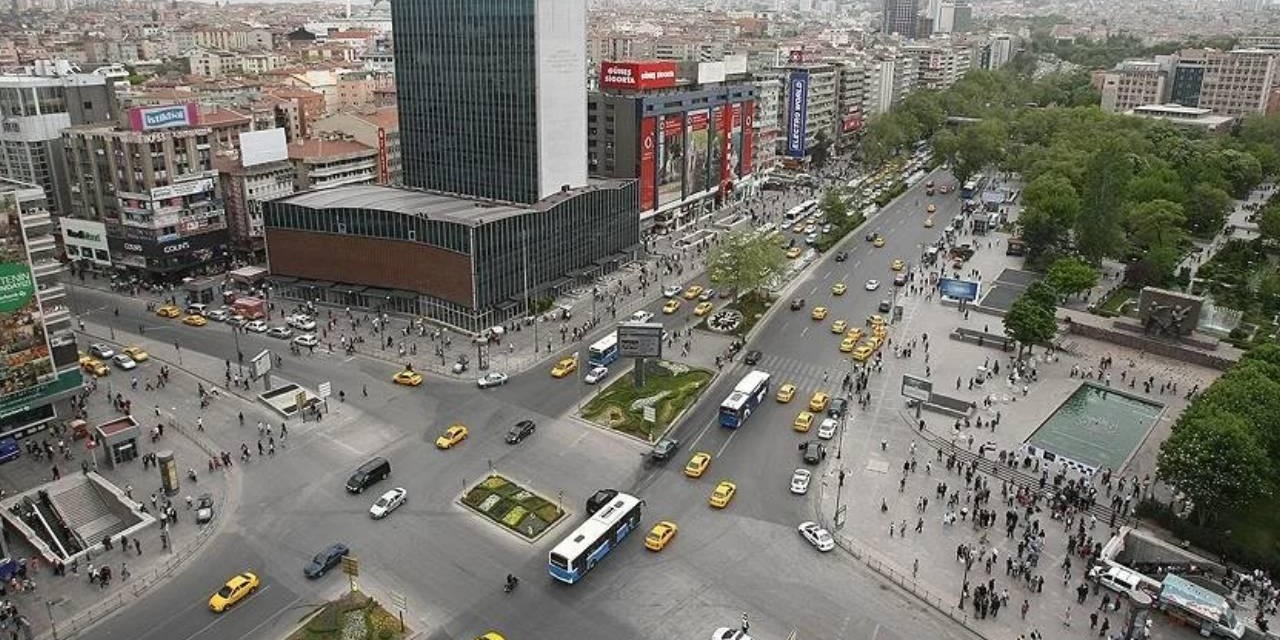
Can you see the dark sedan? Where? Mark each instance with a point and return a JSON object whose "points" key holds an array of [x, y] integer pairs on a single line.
{"points": [[520, 431], [813, 451], [327, 559], [753, 357]]}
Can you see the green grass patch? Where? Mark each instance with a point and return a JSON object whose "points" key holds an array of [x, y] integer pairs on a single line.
{"points": [[1112, 304], [1250, 537], [354, 616], [519, 510], [669, 388]]}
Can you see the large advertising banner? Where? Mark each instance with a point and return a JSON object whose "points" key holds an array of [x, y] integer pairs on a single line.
{"points": [[715, 148], [27, 361], [748, 138], [648, 160], [671, 158], [797, 113], [696, 158], [632, 76]]}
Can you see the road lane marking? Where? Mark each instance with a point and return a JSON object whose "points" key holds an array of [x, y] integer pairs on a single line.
{"points": [[704, 431], [220, 617], [814, 290], [804, 331], [342, 444], [272, 617], [726, 443], [857, 264]]}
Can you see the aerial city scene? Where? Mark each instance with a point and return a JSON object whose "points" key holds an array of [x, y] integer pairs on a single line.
{"points": [[639, 320]]}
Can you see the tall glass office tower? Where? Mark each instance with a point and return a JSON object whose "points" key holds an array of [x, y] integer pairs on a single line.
{"points": [[492, 96]]}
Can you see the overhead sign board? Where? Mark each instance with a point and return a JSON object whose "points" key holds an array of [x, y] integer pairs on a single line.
{"points": [[958, 289], [797, 113], [640, 339], [636, 76], [164, 117], [916, 387]]}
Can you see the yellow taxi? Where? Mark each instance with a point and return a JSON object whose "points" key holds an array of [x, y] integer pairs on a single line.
{"points": [[862, 352], [897, 264], [880, 331], [786, 393], [875, 320], [839, 288], [136, 353], [723, 494], [793, 253], [874, 341], [408, 378], [660, 535], [798, 227], [95, 366], [195, 321], [855, 333], [453, 435], [878, 242], [839, 326], [847, 345], [693, 292], [931, 208], [234, 591], [563, 368], [703, 308], [671, 306], [818, 403], [490, 635], [698, 464], [168, 311], [818, 313], [928, 223], [803, 421]]}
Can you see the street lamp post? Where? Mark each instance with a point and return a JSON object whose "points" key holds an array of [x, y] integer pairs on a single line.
{"points": [[53, 623]]}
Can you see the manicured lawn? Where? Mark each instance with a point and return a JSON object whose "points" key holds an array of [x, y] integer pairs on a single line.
{"points": [[517, 509], [669, 388], [1113, 303], [354, 616]]}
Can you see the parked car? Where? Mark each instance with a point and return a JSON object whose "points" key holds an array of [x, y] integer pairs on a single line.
{"points": [[817, 536], [813, 451], [204, 508], [800, 481], [328, 558]]}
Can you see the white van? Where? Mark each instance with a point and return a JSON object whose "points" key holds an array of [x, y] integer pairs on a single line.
{"points": [[1118, 579]]}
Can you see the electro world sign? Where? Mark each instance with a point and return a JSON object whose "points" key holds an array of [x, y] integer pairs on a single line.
{"points": [[797, 113]]}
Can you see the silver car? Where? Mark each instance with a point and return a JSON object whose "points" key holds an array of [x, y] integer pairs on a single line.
{"points": [[827, 429], [596, 374], [123, 361], [494, 379], [390, 501], [800, 481], [817, 536]]}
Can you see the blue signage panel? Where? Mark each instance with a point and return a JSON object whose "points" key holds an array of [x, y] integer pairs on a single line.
{"points": [[797, 113], [958, 289]]}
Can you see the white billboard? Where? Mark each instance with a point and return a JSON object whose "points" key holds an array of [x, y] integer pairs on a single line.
{"points": [[709, 72], [261, 147]]}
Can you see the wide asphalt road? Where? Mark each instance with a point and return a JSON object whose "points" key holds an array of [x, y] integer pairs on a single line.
{"points": [[450, 565]]}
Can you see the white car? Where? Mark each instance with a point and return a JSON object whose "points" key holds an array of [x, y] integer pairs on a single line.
{"points": [[729, 633], [100, 350], [672, 290], [800, 481], [827, 430], [301, 323], [707, 295], [307, 340], [390, 501], [872, 285], [641, 316], [256, 326], [218, 315], [280, 332], [494, 379], [817, 536], [596, 374], [123, 361]]}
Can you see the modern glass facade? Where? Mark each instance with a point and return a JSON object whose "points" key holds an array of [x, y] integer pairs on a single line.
{"points": [[466, 75]]}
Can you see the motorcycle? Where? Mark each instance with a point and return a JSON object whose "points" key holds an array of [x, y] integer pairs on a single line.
{"points": [[512, 581]]}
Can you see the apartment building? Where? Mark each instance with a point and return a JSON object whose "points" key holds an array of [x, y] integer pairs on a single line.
{"points": [[321, 163], [214, 64], [1133, 83], [809, 109], [152, 183], [376, 128], [767, 126], [939, 61], [244, 189], [1232, 83]]}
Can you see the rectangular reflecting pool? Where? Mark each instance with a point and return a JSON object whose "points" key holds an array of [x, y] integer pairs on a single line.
{"points": [[1096, 427]]}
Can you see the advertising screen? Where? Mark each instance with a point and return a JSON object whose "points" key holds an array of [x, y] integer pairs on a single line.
{"points": [[631, 76], [748, 140], [27, 361], [731, 166], [671, 159], [710, 164], [648, 160], [797, 113], [695, 173]]}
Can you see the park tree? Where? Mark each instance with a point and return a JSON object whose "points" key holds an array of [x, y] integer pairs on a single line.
{"points": [[1050, 208], [1030, 321], [980, 145], [1206, 208], [1269, 223], [1214, 461], [833, 205], [1156, 223], [1159, 183], [1154, 268], [745, 261], [1097, 230], [1241, 170], [1070, 276]]}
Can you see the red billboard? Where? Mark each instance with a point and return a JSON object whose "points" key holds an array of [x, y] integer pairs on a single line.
{"points": [[637, 76], [748, 134], [648, 163]]}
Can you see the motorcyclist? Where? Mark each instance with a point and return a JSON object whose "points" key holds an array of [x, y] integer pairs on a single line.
{"points": [[511, 581]]}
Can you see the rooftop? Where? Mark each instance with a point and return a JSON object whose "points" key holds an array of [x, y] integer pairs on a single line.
{"points": [[314, 149], [430, 205]]}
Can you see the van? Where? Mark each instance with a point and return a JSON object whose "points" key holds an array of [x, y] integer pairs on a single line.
{"points": [[369, 473], [9, 450], [1118, 579], [197, 309]]}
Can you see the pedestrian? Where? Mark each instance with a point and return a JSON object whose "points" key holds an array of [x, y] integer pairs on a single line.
{"points": [[915, 568], [1066, 617], [124, 572], [1093, 619], [1026, 606], [137, 545]]}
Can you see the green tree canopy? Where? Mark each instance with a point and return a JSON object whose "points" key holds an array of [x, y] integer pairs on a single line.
{"points": [[833, 205], [1098, 231], [1212, 458], [1156, 223], [1070, 276], [1050, 208], [745, 261], [1030, 322], [1206, 208]]}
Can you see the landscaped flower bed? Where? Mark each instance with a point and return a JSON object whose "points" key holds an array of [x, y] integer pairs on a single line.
{"points": [[512, 506]]}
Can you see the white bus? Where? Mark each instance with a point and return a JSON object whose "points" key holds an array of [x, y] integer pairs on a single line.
{"points": [[746, 396], [604, 351], [799, 211], [594, 539]]}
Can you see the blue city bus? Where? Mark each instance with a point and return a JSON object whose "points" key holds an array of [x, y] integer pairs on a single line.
{"points": [[973, 187], [587, 545], [603, 352], [748, 395]]}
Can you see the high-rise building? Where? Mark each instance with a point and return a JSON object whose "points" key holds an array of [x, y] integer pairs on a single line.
{"points": [[808, 108], [900, 17], [491, 96], [1133, 83], [962, 16], [1228, 83]]}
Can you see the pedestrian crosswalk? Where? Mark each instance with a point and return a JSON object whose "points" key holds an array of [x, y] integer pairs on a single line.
{"points": [[804, 374]]}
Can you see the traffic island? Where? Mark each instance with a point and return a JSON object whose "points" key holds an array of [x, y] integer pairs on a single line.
{"points": [[738, 317], [669, 388], [513, 507], [354, 616]]}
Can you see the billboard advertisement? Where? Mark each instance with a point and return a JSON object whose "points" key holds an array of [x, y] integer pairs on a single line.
{"points": [[671, 159], [637, 76], [261, 147], [851, 123], [703, 152], [27, 361], [164, 117], [958, 289], [85, 240], [648, 162], [748, 138], [797, 110]]}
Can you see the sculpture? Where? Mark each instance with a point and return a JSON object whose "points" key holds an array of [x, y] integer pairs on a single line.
{"points": [[1166, 320]]}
